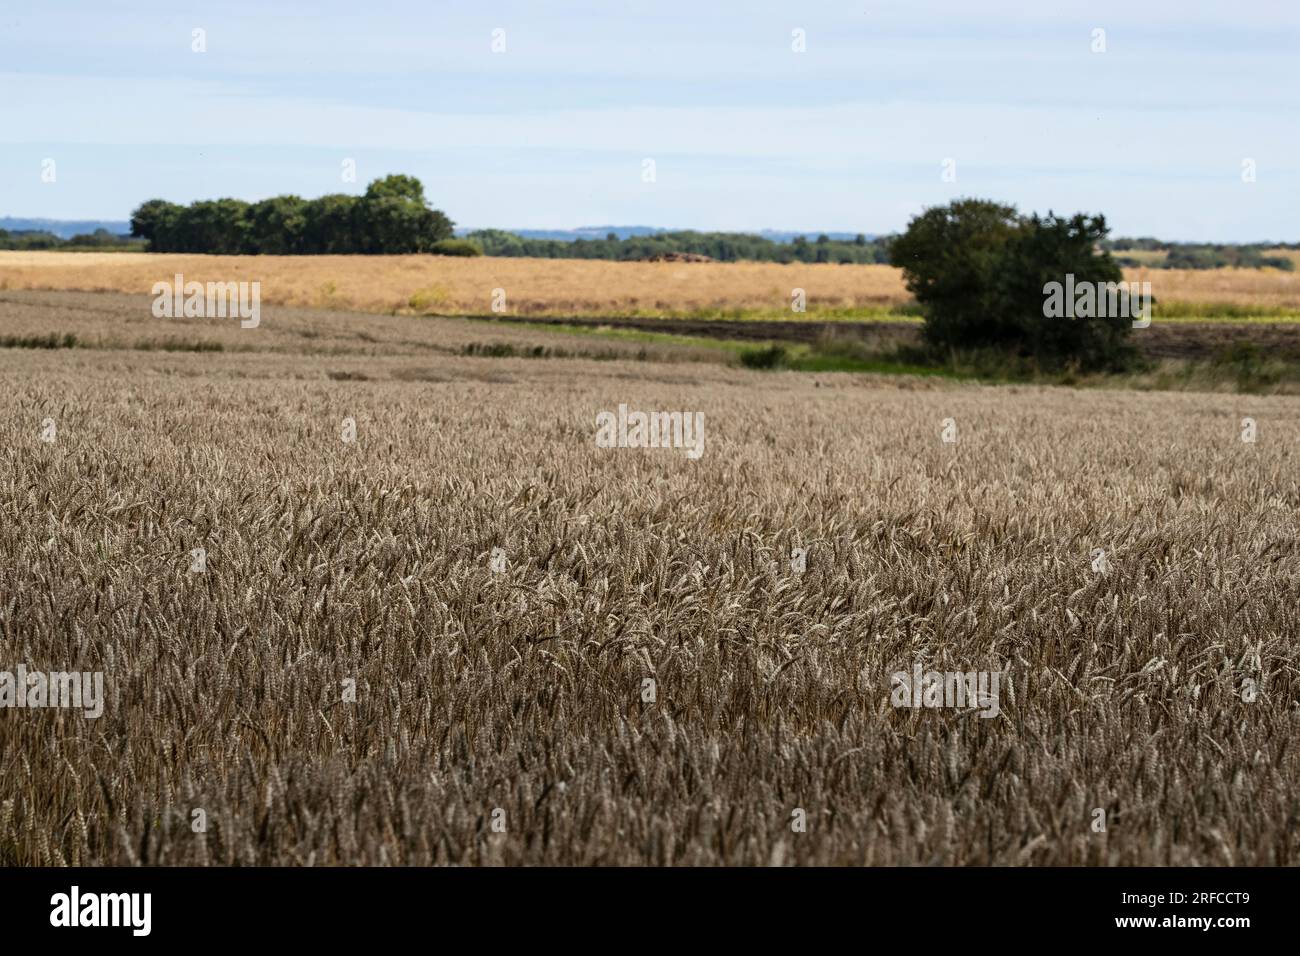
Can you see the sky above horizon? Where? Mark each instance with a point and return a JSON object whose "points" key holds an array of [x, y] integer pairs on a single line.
{"points": [[745, 133]]}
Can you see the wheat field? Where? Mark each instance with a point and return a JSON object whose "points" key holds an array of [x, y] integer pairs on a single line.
{"points": [[647, 678], [571, 287]]}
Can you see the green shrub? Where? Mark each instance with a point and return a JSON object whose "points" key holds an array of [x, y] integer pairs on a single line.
{"points": [[456, 247], [980, 272], [768, 357]]}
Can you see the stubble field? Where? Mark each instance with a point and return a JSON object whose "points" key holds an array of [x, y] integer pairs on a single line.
{"points": [[506, 717]]}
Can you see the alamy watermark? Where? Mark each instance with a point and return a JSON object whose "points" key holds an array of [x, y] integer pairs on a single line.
{"points": [[67, 689], [922, 688], [75, 908], [651, 430], [216, 300], [1089, 300]]}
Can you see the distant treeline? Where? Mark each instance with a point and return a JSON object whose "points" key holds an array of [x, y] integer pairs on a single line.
{"points": [[100, 240], [391, 218], [1196, 255], [723, 246]]}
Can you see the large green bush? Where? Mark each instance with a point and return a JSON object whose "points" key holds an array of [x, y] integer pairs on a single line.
{"points": [[980, 272]]}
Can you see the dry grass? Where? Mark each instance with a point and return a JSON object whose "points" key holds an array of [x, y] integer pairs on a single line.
{"points": [[523, 691], [453, 286], [1265, 290]]}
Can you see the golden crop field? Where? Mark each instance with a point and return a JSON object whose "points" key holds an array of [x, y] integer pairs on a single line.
{"points": [[470, 634], [572, 287]]}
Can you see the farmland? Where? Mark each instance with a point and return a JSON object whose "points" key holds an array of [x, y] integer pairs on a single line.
{"points": [[436, 285], [647, 678]]}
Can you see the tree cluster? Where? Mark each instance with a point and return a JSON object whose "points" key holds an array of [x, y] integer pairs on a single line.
{"points": [[722, 246], [392, 217]]}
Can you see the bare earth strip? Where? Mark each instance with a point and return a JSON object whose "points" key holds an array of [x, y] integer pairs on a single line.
{"points": [[526, 692]]}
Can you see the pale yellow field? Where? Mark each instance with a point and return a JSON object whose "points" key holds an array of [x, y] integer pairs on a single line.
{"points": [[450, 286], [453, 286], [1253, 288]]}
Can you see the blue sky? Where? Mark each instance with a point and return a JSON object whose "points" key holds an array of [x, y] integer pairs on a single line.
{"points": [[744, 132]]}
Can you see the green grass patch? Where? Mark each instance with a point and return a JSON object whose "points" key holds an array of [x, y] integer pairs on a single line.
{"points": [[838, 356], [1220, 312], [903, 312], [1241, 369]]}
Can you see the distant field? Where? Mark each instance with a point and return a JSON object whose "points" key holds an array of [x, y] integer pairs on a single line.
{"points": [[1292, 254], [547, 287], [1147, 257]]}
